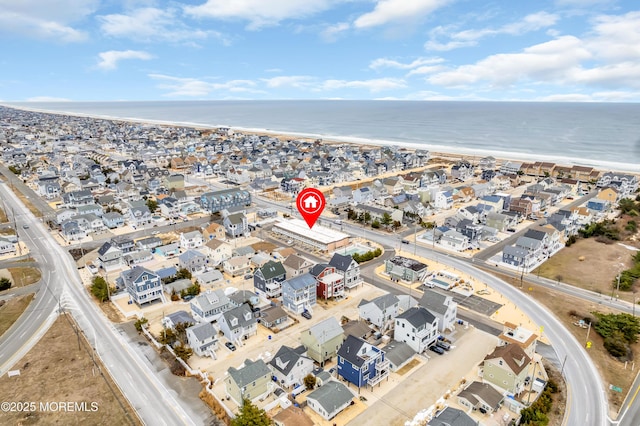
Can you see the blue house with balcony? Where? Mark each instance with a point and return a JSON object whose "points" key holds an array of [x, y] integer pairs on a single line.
{"points": [[361, 363], [143, 285]]}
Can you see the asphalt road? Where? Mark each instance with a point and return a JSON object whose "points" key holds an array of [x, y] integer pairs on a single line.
{"points": [[62, 289]]}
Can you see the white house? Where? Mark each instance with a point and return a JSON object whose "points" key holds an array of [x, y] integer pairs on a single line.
{"points": [[238, 323], [442, 307], [417, 327], [380, 311], [290, 365], [218, 251], [202, 338], [190, 240]]}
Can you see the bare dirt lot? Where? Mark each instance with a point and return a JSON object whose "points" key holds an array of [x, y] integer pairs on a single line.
{"points": [[600, 265], [11, 310], [24, 276], [55, 374]]}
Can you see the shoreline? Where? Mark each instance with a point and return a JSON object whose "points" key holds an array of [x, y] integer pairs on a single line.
{"points": [[436, 151]]}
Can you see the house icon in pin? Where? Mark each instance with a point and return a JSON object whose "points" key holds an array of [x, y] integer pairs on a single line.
{"points": [[310, 203]]}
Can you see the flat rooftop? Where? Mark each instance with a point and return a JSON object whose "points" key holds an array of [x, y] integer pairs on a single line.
{"points": [[318, 233]]}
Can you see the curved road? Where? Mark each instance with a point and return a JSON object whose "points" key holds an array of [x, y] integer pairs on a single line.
{"points": [[62, 289]]}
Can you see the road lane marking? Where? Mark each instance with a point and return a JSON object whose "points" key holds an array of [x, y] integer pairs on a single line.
{"points": [[633, 397]]}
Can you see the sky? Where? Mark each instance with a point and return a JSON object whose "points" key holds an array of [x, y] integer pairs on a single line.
{"points": [[505, 50]]}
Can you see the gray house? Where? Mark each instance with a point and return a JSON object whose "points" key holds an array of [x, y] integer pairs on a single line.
{"points": [[330, 399], [442, 307], [202, 338], [192, 260], [236, 224], [109, 256], [142, 284], [299, 293]]}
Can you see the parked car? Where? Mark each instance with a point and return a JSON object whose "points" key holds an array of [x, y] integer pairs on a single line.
{"points": [[230, 346], [436, 349], [25, 226], [405, 241], [306, 314], [444, 345]]}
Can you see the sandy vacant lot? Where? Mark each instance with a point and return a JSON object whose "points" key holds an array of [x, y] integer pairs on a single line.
{"points": [[600, 266], [55, 371]]}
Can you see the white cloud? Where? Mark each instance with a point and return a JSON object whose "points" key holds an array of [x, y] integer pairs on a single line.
{"points": [[389, 11], [109, 60], [153, 24], [47, 99], [426, 70], [616, 37], [259, 13], [45, 19], [566, 97], [295, 81], [373, 85], [187, 86], [466, 38], [549, 61], [332, 32], [391, 63]]}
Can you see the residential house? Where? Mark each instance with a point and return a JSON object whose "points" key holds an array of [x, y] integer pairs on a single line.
{"points": [[323, 340], [452, 417], [404, 268], [217, 201], [361, 363], [49, 188], [113, 220], [510, 168], [217, 251], [498, 221], [299, 293], [109, 257], [442, 307], [139, 216], [381, 311], [202, 338], [190, 240], [398, 354], [238, 323], [7, 246], [148, 243], [417, 327], [272, 317], [192, 260], [268, 279], [240, 297], [209, 306], [252, 381], [142, 284], [237, 265], [463, 170], [516, 256], [168, 250], [290, 366], [70, 231], [608, 194], [175, 318], [378, 213], [236, 224], [507, 368], [330, 283], [443, 200], [213, 231], [482, 396], [363, 195], [295, 265], [330, 399], [349, 268], [520, 336], [292, 416]]}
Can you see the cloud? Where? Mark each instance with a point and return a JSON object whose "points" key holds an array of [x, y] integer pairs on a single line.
{"points": [[332, 32], [45, 19], [530, 23], [153, 24], [109, 60], [187, 86], [549, 61], [295, 81], [259, 13], [391, 63], [373, 85], [47, 99], [390, 11]]}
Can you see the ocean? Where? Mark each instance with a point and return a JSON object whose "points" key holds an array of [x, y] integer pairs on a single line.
{"points": [[605, 135]]}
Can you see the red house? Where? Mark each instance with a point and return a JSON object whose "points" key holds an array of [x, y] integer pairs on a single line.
{"points": [[329, 282]]}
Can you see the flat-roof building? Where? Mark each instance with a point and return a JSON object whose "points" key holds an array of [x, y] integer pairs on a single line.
{"points": [[318, 237]]}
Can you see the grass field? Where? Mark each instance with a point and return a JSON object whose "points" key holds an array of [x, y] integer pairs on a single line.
{"points": [[3, 216], [12, 309], [57, 370], [600, 265]]}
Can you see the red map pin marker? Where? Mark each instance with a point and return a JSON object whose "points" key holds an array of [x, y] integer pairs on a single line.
{"points": [[310, 204]]}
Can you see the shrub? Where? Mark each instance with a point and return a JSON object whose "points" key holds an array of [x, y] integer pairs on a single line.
{"points": [[5, 283], [139, 323]]}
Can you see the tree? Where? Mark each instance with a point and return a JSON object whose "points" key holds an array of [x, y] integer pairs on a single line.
{"points": [[386, 219], [183, 352], [5, 283], [367, 217], [250, 415], [396, 225], [375, 224], [100, 288], [183, 273], [309, 381], [140, 323], [152, 205]]}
